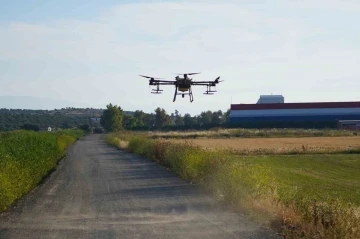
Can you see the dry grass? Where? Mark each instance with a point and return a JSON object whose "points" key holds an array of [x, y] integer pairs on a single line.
{"points": [[279, 144], [249, 133]]}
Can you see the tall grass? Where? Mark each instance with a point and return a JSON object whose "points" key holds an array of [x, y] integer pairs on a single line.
{"points": [[301, 194], [26, 157]]}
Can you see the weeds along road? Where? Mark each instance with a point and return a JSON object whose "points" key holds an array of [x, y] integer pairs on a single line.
{"points": [[101, 192]]}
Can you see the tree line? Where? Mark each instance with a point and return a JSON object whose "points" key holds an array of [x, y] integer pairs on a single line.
{"points": [[114, 118], [38, 122]]}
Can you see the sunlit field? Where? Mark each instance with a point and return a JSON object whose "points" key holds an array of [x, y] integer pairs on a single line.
{"points": [[249, 133], [278, 145]]}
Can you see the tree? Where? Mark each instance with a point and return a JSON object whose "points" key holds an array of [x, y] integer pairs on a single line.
{"points": [[161, 118], [85, 127], [226, 116], [31, 127], [217, 117], [112, 118], [131, 122], [205, 118], [139, 115], [179, 120], [189, 121]]}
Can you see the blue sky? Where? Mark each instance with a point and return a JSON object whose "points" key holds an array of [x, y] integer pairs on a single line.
{"points": [[91, 52]]}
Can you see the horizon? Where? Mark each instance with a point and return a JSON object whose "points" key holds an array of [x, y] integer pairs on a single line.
{"points": [[65, 106], [89, 54]]}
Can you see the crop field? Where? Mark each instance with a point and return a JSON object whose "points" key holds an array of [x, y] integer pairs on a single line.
{"points": [[278, 145], [26, 157], [248, 133], [304, 187]]}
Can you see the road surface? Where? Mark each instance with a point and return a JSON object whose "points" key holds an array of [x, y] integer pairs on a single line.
{"points": [[98, 191]]}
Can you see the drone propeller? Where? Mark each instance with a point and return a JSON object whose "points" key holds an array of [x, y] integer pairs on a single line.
{"points": [[189, 74], [217, 80], [149, 77], [193, 73]]}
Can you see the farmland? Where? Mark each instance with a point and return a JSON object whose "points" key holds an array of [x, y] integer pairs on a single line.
{"points": [[26, 157], [248, 133], [278, 145], [302, 185]]}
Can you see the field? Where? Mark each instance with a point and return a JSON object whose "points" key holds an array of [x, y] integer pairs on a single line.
{"points": [[26, 157], [248, 133], [278, 145], [304, 187]]}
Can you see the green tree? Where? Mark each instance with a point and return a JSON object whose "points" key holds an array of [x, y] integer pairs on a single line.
{"points": [[205, 118], [31, 127], [112, 118], [226, 116], [85, 127], [217, 117], [189, 121], [140, 116], [161, 118], [131, 122], [179, 120], [149, 120]]}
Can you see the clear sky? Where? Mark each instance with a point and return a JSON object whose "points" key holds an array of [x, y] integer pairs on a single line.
{"points": [[90, 53]]}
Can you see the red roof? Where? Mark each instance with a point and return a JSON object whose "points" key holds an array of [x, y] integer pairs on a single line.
{"points": [[307, 105]]}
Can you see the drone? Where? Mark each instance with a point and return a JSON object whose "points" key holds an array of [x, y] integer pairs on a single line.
{"points": [[182, 84]]}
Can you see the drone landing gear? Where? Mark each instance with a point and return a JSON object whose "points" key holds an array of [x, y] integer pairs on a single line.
{"points": [[183, 95], [175, 94], [157, 90], [209, 91], [191, 95]]}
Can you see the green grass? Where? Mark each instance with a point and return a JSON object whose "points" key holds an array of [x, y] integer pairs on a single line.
{"points": [[26, 157], [313, 196], [317, 176]]}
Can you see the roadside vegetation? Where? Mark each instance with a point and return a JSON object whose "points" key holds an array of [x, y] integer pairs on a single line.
{"points": [[26, 157], [301, 195]]}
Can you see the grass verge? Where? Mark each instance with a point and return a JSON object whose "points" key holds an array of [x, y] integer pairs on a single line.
{"points": [[26, 157], [300, 196]]}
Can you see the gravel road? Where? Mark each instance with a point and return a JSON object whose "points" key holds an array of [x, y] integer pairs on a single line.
{"points": [[98, 191]]}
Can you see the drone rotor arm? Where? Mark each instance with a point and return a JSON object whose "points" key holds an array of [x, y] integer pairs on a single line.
{"points": [[165, 83]]}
